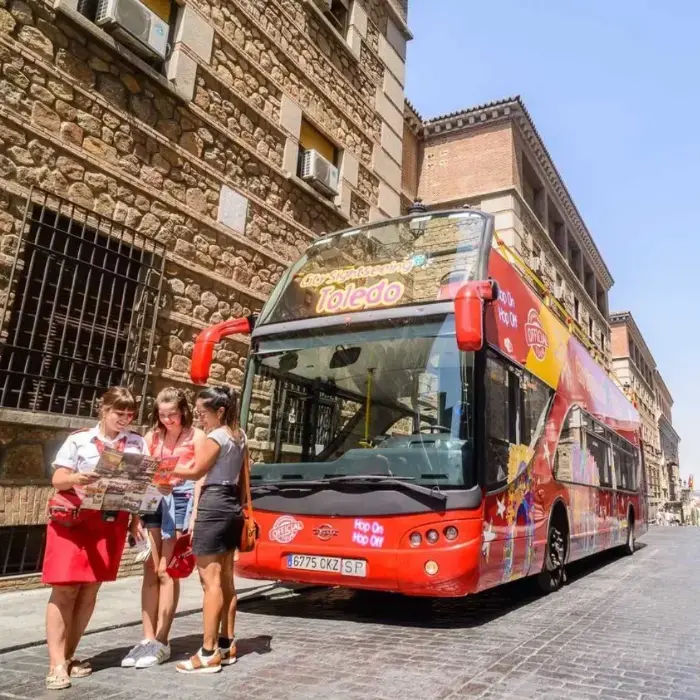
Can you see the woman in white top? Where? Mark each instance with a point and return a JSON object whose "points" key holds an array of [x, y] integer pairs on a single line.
{"points": [[79, 558]]}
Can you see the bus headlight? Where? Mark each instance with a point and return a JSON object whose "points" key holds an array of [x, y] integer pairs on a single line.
{"points": [[415, 539], [432, 536], [451, 532]]}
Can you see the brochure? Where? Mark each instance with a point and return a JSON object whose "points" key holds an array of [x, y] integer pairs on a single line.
{"points": [[129, 481]]}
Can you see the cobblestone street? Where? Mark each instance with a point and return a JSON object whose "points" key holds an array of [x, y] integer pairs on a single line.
{"points": [[624, 627]]}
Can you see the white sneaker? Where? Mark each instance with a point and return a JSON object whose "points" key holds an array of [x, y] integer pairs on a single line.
{"points": [[129, 661], [154, 653]]}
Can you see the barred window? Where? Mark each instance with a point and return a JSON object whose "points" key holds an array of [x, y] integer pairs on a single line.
{"points": [[80, 313], [21, 549]]}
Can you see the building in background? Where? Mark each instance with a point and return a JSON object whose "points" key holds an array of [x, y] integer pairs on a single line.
{"points": [[155, 182], [492, 157], [668, 442], [635, 368]]}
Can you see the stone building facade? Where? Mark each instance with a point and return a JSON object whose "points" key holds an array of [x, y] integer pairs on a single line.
{"points": [[635, 368], [176, 185], [492, 157], [669, 441]]}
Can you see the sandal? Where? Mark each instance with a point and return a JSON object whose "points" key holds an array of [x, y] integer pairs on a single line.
{"points": [[79, 669], [58, 678]]}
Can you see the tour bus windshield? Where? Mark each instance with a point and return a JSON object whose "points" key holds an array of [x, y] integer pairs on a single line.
{"points": [[413, 260], [387, 402]]}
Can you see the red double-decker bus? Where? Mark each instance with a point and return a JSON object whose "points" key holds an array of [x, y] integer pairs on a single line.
{"points": [[422, 422]]}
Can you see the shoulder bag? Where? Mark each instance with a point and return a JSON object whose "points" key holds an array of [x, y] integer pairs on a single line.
{"points": [[64, 508], [250, 532]]}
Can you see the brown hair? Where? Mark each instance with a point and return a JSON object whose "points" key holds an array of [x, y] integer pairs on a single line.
{"points": [[216, 397], [118, 398], [176, 396]]}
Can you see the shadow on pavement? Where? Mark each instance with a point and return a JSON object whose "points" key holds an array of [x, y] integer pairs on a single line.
{"points": [[395, 609], [182, 648]]}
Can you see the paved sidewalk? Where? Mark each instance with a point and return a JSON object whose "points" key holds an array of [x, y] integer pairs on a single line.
{"points": [[118, 605]]}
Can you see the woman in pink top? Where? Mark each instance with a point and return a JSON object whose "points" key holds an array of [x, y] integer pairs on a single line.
{"points": [[172, 434]]}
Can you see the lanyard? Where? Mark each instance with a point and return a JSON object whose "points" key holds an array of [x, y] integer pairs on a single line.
{"points": [[99, 444]]}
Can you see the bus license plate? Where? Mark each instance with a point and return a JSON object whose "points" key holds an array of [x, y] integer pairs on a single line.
{"points": [[331, 565]]}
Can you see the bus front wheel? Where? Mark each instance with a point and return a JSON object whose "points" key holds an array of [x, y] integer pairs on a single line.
{"points": [[553, 575]]}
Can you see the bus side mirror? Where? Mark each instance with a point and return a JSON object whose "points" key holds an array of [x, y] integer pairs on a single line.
{"points": [[203, 350], [469, 313]]}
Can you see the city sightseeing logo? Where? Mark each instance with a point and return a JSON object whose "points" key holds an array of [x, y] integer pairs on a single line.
{"points": [[285, 529], [325, 532], [535, 336]]}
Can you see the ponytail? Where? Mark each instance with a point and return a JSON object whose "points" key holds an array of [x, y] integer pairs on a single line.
{"points": [[216, 397]]}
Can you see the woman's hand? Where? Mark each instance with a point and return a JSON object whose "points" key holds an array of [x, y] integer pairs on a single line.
{"points": [[136, 528], [83, 478]]}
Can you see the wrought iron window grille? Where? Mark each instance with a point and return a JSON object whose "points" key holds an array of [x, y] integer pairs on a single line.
{"points": [[80, 309]]}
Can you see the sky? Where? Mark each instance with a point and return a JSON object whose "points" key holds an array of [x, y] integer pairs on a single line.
{"points": [[613, 90]]}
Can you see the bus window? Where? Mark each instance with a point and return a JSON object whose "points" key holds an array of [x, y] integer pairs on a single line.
{"points": [[569, 447], [502, 399], [534, 401], [620, 475], [626, 478], [598, 449]]}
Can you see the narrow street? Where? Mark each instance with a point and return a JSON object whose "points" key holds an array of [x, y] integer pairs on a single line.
{"points": [[624, 627]]}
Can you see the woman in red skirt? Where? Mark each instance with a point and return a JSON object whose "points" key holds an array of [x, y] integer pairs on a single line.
{"points": [[79, 558]]}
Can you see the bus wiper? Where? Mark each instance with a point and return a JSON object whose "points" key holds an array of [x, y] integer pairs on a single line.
{"points": [[400, 482], [288, 484]]}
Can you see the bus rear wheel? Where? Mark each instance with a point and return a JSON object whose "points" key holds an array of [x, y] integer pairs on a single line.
{"points": [[629, 545], [553, 575]]}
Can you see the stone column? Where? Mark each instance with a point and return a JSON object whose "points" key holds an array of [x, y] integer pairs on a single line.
{"points": [[389, 100]]}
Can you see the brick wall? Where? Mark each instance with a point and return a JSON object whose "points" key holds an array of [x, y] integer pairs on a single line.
{"points": [[410, 169], [462, 163], [619, 339]]}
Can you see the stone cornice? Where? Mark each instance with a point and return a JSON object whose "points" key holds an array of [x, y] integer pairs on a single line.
{"points": [[512, 109], [412, 118], [659, 381], [666, 426], [618, 318]]}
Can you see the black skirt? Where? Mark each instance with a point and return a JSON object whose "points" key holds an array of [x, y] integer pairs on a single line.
{"points": [[219, 522]]}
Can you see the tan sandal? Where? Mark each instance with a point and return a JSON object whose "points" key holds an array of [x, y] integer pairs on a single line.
{"points": [[58, 678], [79, 669]]}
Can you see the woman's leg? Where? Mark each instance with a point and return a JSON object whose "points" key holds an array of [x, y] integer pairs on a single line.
{"points": [[169, 592], [230, 600], [82, 612], [59, 621], [150, 587], [209, 568]]}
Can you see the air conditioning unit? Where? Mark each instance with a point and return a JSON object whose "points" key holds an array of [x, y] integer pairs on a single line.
{"points": [[135, 25], [535, 263], [318, 172], [560, 290]]}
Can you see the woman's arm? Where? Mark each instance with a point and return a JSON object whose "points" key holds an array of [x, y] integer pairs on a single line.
{"points": [[64, 478], [204, 458]]}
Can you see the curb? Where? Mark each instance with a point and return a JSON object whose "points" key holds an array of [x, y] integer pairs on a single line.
{"points": [[243, 595]]}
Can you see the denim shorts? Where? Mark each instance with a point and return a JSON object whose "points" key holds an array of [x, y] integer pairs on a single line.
{"points": [[163, 518], [183, 501]]}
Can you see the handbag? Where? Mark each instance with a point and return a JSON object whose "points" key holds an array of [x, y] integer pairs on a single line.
{"points": [[250, 531], [181, 564], [64, 508]]}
